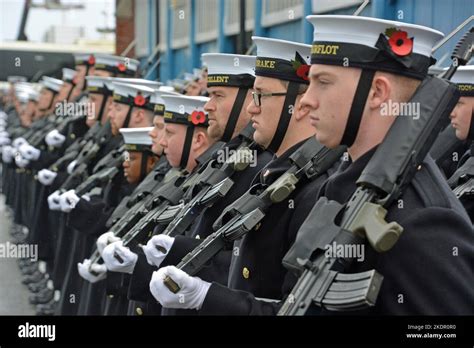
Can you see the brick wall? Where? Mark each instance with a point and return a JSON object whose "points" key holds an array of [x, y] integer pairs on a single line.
{"points": [[125, 26]]}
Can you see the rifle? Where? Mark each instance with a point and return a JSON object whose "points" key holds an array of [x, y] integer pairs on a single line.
{"points": [[462, 181], [444, 145], [142, 208], [310, 161], [390, 170], [75, 148], [215, 183]]}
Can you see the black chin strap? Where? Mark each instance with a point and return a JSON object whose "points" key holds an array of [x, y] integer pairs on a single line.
{"points": [[357, 108], [285, 117], [234, 114], [102, 107], [186, 147], [70, 91], [51, 102], [128, 117], [143, 165], [84, 85]]}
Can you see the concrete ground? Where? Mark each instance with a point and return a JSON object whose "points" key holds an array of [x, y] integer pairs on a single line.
{"points": [[13, 294]]}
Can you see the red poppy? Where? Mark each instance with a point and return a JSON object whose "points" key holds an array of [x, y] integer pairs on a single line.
{"points": [[303, 72], [121, 67], [139, 100], [198, 117], [91, 60], [400, 44]]}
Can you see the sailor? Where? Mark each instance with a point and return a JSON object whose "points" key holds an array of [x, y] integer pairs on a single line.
{"points": [[429, 269], [282, 126], [461, 121]]}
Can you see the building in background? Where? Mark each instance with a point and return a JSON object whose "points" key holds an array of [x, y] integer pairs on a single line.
{"points": [[64, 35], [180, 30]]}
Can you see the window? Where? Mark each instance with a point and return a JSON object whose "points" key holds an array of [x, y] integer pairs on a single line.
{"points": [[281, 11], [181, 10], [207, 15], [232, 16]]}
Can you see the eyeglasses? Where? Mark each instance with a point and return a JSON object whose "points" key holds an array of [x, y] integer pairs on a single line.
{"points": [[257, 96]]}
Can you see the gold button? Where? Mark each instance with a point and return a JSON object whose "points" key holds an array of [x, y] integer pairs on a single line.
{"points": [[258, 226], [139, 311], [246, 272], [73, 136], [111, 296]]}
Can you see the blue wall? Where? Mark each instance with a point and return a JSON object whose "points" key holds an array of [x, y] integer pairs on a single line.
{"points": [[443, 15]]}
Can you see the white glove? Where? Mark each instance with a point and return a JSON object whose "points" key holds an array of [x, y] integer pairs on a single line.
{"points": [[106, 239], [157, 248], [20, 161], [3, 122], [29, 152], [191, 296], [53, 201], [71, 166], [7, 153], [46, 176], [18, 142], [3, 132], [4, 141], [68, 201], [54, 138], [128, 258], [3, 115], [85, 267]]}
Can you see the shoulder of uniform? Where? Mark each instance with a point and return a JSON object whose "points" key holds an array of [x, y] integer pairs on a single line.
{"points": [[432, 187]]}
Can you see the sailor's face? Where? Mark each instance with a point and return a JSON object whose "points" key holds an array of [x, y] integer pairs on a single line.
{"points": [[329, 99], [193, 89], [45, 99], [64, 91], [218, 108], [156, 134], [265, 117], [95, 99], [118, 113], [132, 166], [102, 73], [461, 117], [173, 143]]}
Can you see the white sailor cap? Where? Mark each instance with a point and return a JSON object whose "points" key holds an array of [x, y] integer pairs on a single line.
{"points": [[464, 79], [140, 82], [116, 64], [374, 44], [157, 100], [54, 85], [188, 78], [25, 91], [99, 84], [168, 88], [68, 75], [177, 84], [137, 139], [232, 70], [16, 79], [133, 95], [84, 59], [283, 60], [184, 110]]}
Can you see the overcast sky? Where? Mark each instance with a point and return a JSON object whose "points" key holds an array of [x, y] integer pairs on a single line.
{"points": [[39, 20]]}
